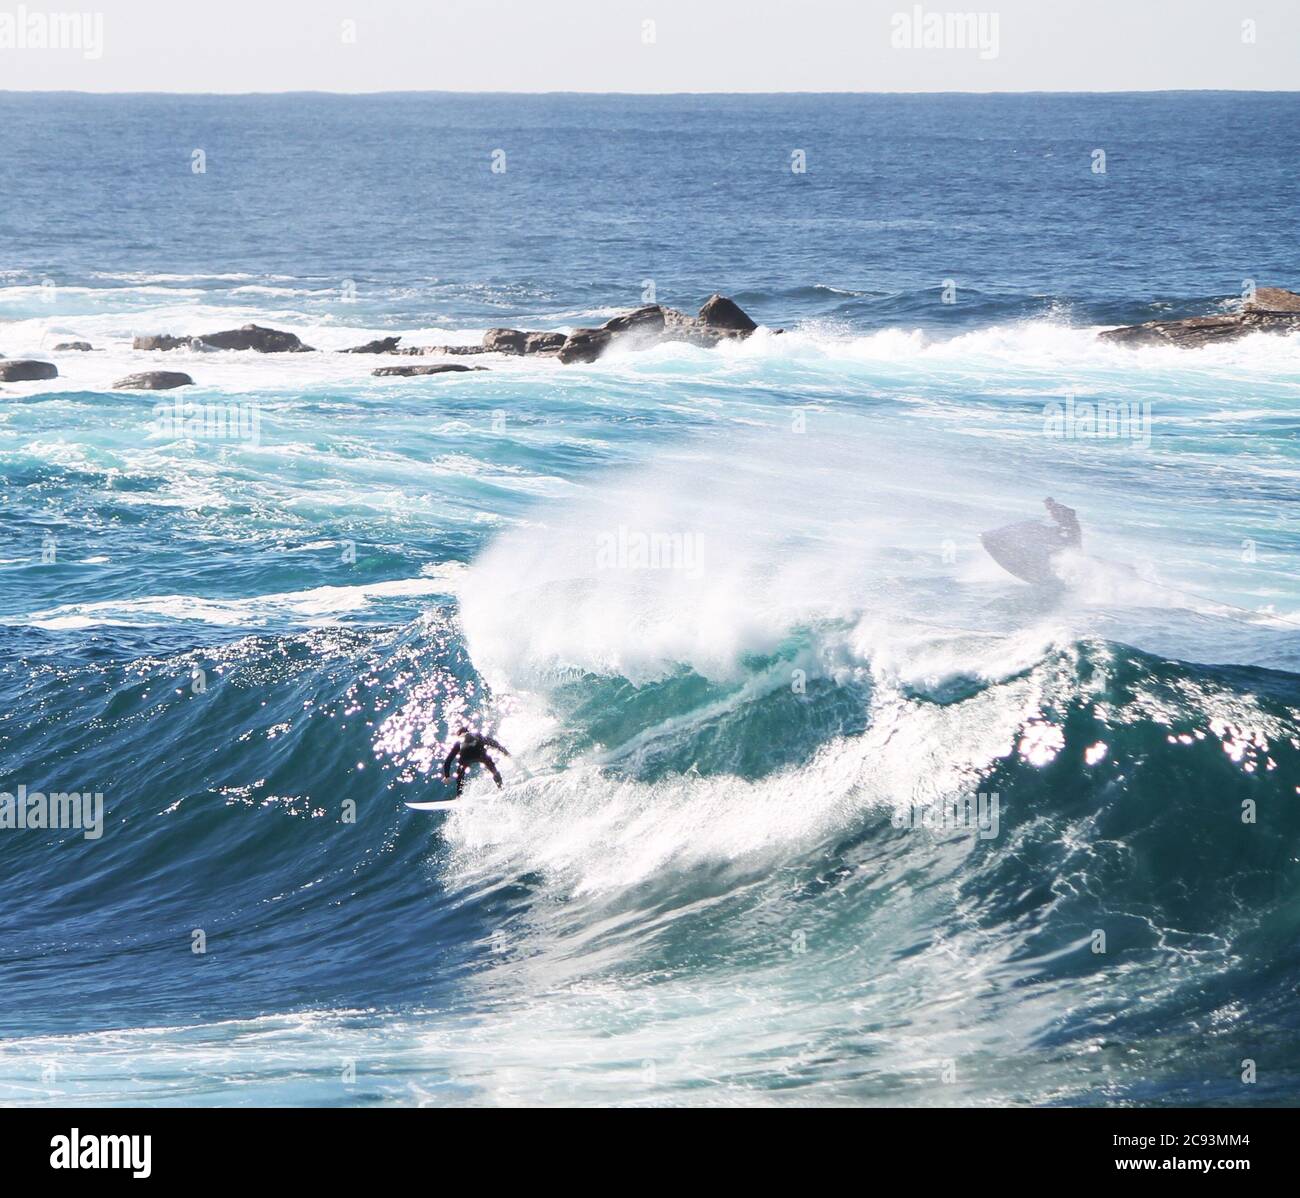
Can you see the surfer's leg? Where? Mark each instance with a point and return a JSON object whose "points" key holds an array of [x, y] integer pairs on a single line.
{"points": [[492, 769], [460, 777]]}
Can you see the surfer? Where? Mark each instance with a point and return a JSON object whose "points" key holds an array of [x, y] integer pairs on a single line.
{"points": [[1067, 522], [472, 749]]}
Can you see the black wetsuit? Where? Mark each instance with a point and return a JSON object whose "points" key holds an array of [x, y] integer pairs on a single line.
{"points": [[1067, 523], [472, 750]]}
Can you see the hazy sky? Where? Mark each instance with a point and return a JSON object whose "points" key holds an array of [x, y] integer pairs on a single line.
{"points": [[606, 45]]}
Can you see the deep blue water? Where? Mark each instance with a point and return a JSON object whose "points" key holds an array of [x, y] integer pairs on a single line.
{"points": [[694, 888]]}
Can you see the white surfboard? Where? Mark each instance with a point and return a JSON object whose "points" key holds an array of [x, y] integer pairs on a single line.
{"points": [[450, 804]]}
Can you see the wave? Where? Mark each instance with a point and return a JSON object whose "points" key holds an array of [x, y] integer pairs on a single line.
{"points": [[745, 642], [633, 877], [324, 603], [1004, 349]]}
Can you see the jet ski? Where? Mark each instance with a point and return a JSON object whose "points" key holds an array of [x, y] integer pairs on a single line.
{"points": [[1027, 550]]}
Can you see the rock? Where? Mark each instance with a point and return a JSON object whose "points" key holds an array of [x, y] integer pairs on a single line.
{"points": [[720, 319], [1273, 299], [1196, 331], [160, 341], [385, 345], [512, 341], [680, 327], [254, 336], [1273, 310], [422, 350], [646, 322], [250, 336], [544, 343], [719, 312], [409, 371], [585, 345], [26, 370], [154, 380], [504, 341], [81, 346]]}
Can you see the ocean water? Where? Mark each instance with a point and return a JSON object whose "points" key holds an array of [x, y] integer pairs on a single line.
{"points": [[702, 883]]}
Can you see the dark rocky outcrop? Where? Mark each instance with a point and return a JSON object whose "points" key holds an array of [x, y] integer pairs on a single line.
{"points": [[26, 370], [385, 345], [154, 380], [649, 321], [410, 371], [511, 341], [544, 343], [249, 336], [720, 319], [1273, 310], [254, 336], [585, 345], [719, 312], [81, 346]]}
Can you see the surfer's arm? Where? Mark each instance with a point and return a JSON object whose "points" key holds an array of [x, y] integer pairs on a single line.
{"points": [[496, 744], [446, 765]]}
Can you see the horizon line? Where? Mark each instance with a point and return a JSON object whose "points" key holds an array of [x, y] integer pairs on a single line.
{"points": [[1112, 91]]}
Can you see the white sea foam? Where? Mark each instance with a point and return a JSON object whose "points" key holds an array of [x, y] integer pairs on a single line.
{"points": [[1023, 347], [315, 605]]}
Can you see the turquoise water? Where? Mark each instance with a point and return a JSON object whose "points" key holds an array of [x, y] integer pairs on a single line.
{"points": [[695, 887]]}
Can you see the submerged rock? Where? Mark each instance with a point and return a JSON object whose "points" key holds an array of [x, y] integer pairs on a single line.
{"points": [[385, 345], [1273, 310], [154, 380], [160, 341], [81, 346], [410, 371], [249, 336], [423, 350], [26, 370]]}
